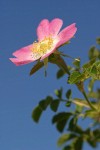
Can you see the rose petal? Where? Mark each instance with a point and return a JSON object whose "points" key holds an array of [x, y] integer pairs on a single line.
{"points": [[24, 52], [43, 29], [24, 56], [55, 26], [66, 34], [19, 62]]}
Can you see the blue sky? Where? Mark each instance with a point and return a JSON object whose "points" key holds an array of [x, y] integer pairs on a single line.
{"points": [[20, 93]]}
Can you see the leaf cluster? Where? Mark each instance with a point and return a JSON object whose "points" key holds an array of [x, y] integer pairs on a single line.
{"points": [[67, 121]]}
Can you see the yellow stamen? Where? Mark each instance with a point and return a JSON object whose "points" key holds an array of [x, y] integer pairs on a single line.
{"points": [[41, 48]]}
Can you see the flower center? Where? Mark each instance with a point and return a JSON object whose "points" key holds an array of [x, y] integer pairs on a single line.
{"points": [[42, 47]]}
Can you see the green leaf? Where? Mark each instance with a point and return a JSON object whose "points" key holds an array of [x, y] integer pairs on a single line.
{"points": [[59, 61], [90, 70], [92, 95], [75, 77], [96, 134], [69, 94], [36, 67], [76, 63], [92, 143], [68, 103], [61, 119], [36, 113], [93, 53], [65, 55], [94, 70], [61, 116], [89, 64], [54, 105], [68, 147], [99, 55], [78, 143], [60, 73], [92, 138], [45, 61], [95, 114], [98, 40], [61, 125], [72, 123], [44, 103], [65, 138], [79, 109], [49, 99], [59, 93], [77, 129]]}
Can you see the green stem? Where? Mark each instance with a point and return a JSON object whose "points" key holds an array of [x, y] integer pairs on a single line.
{"points": [[63, 100], [84, 94], [60, 62]]}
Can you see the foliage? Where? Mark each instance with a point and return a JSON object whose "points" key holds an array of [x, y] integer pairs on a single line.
{"points": [[73, 136]]}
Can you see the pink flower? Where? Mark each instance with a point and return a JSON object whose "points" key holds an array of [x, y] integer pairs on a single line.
{"points": [[49, 39]]}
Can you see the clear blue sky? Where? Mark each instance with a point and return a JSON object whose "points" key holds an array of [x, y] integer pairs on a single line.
{"points": [[19, 92]]}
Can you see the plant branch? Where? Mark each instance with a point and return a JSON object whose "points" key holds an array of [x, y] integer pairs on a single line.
{"points": [[85, 96]]}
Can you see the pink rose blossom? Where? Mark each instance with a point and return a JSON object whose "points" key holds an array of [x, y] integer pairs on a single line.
{"points": [[49, 39]]}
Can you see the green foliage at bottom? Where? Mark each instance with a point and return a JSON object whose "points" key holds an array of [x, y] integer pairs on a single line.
{"points": [[87, 106]]}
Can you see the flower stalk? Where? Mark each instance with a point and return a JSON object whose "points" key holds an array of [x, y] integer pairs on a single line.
{"points": [[89, 103]]}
